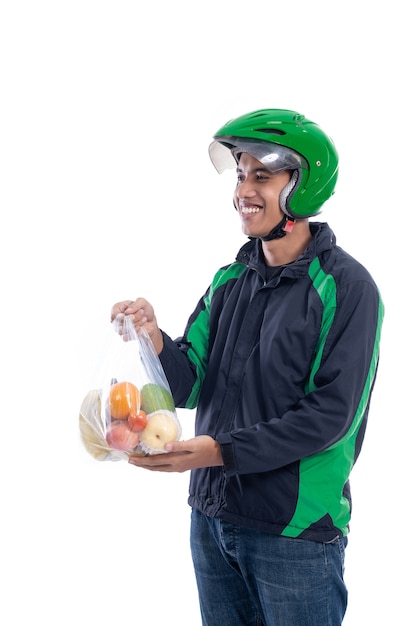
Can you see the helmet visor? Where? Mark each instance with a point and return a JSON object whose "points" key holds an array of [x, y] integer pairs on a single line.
{"points": [[225, 153]]}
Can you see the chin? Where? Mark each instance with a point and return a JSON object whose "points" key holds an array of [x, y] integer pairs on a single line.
{"points": [[251, 233]]}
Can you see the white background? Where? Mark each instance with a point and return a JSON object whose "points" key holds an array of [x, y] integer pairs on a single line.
{"points": [[107, 193]]}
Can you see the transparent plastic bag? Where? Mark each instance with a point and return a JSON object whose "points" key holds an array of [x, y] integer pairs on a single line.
{"points": [[130, 409]]}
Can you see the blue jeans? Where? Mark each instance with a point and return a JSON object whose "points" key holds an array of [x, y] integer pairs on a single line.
{"points": [[248, 578]]}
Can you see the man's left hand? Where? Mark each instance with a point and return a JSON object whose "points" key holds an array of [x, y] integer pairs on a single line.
{"points": [[180, 456]]}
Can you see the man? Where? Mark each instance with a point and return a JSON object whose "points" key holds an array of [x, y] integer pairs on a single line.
{"points": [[280, 358]]}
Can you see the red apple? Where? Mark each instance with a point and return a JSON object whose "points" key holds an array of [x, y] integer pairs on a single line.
{"points": [[120, 437]]}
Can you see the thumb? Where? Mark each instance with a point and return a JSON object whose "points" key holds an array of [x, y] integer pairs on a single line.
{"points": [[175, 446]]}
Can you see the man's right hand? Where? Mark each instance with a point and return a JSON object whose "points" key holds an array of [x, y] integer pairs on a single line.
{"points": [[142, 314]]}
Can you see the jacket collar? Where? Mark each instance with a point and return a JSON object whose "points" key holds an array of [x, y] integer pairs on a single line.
{"points": [[251, 254]]}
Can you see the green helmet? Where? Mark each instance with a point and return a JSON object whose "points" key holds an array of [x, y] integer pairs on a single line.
{"points": [[282, 140]]}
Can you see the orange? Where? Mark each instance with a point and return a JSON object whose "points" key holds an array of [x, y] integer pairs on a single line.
{"points": [[124, 399]]}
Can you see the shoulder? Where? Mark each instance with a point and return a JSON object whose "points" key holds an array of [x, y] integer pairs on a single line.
{"points": [[335, 260], [346, 268], [229, 272]]}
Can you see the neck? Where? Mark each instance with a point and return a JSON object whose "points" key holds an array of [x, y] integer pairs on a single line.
{"points": [[288, 248]]}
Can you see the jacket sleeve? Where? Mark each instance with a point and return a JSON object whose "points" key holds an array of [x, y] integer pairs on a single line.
{"points": [[337, 395], [184, 359], [178, 369]]}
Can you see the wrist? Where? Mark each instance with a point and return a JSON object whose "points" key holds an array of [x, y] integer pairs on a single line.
{"points": [[158, 341]]}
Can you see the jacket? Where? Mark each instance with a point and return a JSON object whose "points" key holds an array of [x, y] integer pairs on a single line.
{"points": [[281, 373]]}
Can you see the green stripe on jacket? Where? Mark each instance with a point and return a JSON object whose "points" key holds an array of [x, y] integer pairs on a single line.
{"points": [[323, 476]]}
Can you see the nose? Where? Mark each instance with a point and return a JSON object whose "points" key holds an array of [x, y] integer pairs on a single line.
{"points": [[245, 189]]}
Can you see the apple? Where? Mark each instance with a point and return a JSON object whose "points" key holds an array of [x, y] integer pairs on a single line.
{"points": [[120, 437], [161, 428]]}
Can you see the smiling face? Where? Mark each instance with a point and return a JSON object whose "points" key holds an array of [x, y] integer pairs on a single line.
{"points": [[257, 194]]}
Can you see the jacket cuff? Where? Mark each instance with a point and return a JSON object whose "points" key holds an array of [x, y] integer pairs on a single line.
{"points": [[228, 453]]}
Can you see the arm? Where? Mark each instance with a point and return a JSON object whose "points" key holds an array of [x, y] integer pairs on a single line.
{"points": [[336, 399]]}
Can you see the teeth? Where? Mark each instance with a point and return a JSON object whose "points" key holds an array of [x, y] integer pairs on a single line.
{"points": [[250, 209]]}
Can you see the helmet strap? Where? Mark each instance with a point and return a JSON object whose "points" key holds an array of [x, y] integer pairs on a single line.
{"points": [[280, 230]]}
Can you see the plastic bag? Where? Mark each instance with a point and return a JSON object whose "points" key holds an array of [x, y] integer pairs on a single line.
{"points": [[130, 410]]}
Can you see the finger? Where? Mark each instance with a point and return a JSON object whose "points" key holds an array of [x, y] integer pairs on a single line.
{"points": [[136, 305], [176, 446], [151, 463], [119, 309]]}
